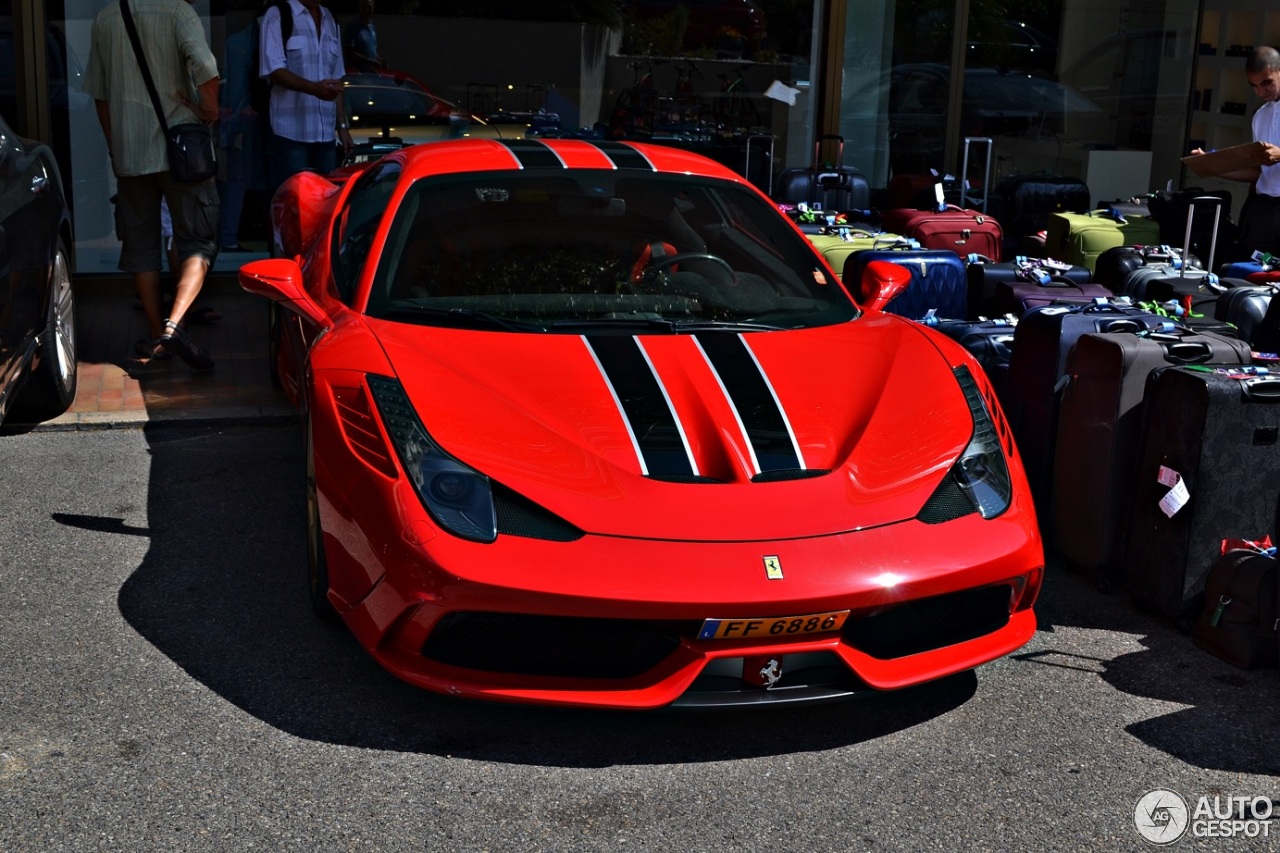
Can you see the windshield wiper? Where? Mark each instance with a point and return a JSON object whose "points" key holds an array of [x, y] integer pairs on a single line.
{"points": [[461, 316], [642, 324], [688, 326]]}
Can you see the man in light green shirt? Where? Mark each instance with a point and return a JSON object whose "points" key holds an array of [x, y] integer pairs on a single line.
{"points": [[186, 80]]}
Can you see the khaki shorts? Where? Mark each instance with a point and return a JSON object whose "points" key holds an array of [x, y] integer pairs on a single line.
{"points": [[193, 208]]}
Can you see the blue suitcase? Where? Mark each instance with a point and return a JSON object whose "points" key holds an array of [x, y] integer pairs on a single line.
{"points": [[938, 281]]}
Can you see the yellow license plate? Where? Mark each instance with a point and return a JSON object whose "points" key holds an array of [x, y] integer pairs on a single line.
{"points": [[777, 627]]}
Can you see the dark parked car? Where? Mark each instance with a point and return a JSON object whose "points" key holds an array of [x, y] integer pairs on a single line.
{"points": [[37, 306]]}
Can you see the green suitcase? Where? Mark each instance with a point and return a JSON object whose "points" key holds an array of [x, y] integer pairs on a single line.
{"points": [[1078, 238], [837, 249]]}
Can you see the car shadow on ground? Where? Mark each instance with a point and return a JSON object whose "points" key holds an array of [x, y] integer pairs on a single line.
{"points": [[1228, 717], [222, 593]]}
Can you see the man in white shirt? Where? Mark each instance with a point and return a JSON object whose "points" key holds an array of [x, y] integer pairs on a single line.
{"points": [[305, 72], [1260, 216]]}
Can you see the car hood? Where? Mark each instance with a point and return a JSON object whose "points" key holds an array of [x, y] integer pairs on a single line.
{"points": [[709, 437]]}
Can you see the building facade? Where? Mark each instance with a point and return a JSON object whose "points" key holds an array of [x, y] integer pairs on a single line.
{"points": [[1111, 92]]}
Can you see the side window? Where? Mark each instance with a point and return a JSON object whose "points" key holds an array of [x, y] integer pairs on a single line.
{"points": [[357, 223]]}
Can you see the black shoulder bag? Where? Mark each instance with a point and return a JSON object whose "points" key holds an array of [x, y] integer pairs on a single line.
{"points": [[191, 152]]}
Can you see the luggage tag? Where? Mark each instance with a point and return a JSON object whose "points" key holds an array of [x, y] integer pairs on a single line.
{"points": [[1263, 259], [1178, 496]]}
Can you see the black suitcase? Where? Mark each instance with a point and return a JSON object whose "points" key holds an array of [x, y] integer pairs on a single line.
{"points": [[1042, 340], [1191, 293], [828, 186], [1027, 200], [1209, 455], [1114, 264], [990, 341], [984, 276], [1266, 335], [1171, 209], [1244, 308], [1099, 417]]}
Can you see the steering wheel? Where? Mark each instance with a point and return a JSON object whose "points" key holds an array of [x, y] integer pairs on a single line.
{"points": [[664, 261]]}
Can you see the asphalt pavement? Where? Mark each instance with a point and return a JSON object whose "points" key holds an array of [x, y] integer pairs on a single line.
{"points": [[165, 687]]}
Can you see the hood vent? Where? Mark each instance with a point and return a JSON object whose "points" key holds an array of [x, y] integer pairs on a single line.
{"points": [[789, 474]]}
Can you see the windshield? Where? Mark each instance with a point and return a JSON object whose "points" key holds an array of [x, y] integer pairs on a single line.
{"points": [[560, 251]]}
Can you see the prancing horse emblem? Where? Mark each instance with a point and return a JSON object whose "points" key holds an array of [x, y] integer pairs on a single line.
{"points": [[771, 673], [773, 568]]}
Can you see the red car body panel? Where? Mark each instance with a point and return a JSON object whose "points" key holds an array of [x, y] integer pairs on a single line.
{"points": [[873, 402]]}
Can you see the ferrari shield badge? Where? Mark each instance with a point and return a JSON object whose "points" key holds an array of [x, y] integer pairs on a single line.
{"points": [[773, 568]]}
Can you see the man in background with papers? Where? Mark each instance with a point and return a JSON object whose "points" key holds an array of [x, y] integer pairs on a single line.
{"points": [[1260, 215]]}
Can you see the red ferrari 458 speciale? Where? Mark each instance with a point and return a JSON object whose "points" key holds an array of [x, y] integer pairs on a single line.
{"points": [[592, 424]]}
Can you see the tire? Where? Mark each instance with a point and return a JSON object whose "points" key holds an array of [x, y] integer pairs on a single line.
{"points": [[275, 340], [51, 388], [317, 565]]}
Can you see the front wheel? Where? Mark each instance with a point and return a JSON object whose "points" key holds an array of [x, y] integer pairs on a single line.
{"points": [[51, 388]]}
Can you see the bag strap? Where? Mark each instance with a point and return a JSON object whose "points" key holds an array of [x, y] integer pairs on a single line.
{"points": [[132, 29]]}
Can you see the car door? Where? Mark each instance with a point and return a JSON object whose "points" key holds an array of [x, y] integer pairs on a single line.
{"points": [[27, 229]]}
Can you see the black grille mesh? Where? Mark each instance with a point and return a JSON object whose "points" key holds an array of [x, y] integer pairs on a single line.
{"points": [[947, 503], [931, 623], [551, 646], [518, 516]]}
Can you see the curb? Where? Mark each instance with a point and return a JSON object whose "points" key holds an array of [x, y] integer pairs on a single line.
{"points": [[93, 421]]}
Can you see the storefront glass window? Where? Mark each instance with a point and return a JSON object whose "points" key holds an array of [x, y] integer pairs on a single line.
{"points": [[732, 79], [1098, 93]]}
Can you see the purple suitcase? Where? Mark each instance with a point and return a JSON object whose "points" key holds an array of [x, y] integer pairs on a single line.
{"points": [[985, 275], [1042, 340], [1019, 296]]}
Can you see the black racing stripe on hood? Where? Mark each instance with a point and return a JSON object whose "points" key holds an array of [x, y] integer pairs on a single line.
{"points": [[624, 156], [532, 154], [657, 434], [749, 392]]}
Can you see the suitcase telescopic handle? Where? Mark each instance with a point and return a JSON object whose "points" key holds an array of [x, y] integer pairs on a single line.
{"points": [[1101, 308], [1216, 203], [1262, 389], [1187, 352]]}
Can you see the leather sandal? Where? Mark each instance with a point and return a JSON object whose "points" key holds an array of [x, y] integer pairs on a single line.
{"points": [[151, 350], [177, 340]]}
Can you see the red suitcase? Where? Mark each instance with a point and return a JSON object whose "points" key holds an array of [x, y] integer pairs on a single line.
{"points": [[960, 230]]}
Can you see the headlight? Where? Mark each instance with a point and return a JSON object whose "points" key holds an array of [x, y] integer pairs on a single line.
{"points": [[459, 498], [979, 481]]}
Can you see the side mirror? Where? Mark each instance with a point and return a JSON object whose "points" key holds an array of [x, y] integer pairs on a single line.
{"points": [[280, 280], [881, 282]]}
